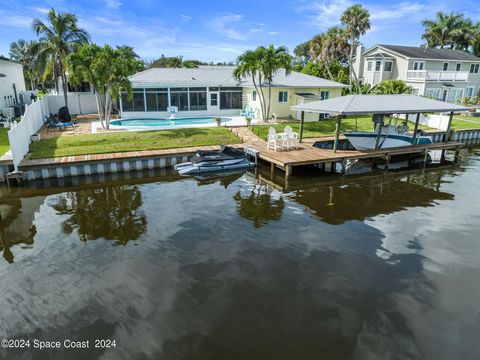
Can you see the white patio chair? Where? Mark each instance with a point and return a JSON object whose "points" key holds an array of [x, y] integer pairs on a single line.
{"points": [[275, 141], [291, 138]]}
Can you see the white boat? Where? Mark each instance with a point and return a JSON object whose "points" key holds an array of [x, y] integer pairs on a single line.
{"points": [[227, 158], [389, 137]]}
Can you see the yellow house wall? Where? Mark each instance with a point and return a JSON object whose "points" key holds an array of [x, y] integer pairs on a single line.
{"points": [[282, 110]]}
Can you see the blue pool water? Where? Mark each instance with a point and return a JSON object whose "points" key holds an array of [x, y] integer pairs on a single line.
{"points": [[167, 122]]}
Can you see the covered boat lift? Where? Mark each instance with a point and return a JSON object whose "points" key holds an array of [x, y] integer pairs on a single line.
{"points": [[385, 105]]}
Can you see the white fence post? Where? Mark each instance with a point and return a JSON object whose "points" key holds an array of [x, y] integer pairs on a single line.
{"points": [[30, 123]]}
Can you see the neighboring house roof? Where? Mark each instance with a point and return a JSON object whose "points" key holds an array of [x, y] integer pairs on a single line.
{"points": [[378, 104], [416, 52], [9, 60], [223, 76]]}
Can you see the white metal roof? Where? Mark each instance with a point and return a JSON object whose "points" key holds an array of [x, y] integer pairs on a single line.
{"points": [[377, 104], [223, 76]]}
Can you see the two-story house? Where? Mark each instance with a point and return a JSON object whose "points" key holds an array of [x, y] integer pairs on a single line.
{"points": [[442, 74]]}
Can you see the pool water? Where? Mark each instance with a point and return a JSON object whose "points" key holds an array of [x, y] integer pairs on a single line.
{"points": [[168, 122]]}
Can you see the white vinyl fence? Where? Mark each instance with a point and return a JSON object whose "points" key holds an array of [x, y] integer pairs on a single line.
{"points": [[77, 103], [31, 122]]}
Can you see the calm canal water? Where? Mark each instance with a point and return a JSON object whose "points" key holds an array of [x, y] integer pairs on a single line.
{"points": [[378, 266]]}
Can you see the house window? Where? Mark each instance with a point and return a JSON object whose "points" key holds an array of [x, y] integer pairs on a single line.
{"points": [[388, 66], [179, 98], [369, 66], [458, 67], [283, 96], [454, 94], [474, 68], [230, 98], [213, 99], [127, 104], [445, 66], [418, 65], [469, 92], [377, 65], [254, 95], [416, 91], [157, 99], [432, 93], [324, 95], [198, 98]]}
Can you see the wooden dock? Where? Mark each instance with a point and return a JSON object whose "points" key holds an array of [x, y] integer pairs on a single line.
{"points": [[309, 154]]}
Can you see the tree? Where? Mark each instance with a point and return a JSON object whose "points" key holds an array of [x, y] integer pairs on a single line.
{"points": [[58, 38], [174, 62], [25, 53], [107, 69], [357, 21], [476, 41], [329, 48], [249, 66], [302, 51], [447, 30], [274, 60], [392, 87]]}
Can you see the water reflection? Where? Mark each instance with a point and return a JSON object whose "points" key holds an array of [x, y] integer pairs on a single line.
{"points": [[234, 267], [259, 206], [16, 228], [110, 213]]}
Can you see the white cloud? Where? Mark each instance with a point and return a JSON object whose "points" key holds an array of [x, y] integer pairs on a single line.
{"points": [[39, 9], [401, 10], [324, 14], [273, 33], [14, 20], [185, 18], [223, 25], [114, 4]]}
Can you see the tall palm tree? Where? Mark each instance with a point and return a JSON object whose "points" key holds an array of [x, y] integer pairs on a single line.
{"points": [[58, 38], [329, 47], [476, 41], [274, 60], [357, 21], [107, 69], [249, 66], [24, 52], [442, 30]]}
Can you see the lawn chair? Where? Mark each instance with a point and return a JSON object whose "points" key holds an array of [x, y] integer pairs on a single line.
{"points": [[291, 138], [53, 123], [275, 140]]}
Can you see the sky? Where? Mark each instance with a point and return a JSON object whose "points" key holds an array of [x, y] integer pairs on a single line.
{"points": [[222, 30]]}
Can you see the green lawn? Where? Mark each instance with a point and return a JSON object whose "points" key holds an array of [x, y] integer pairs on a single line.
{"points": [[4, 144], [130, 141], [462, 122], [324, 127]]}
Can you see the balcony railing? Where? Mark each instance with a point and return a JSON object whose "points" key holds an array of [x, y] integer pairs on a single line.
{"points": [[426, 75]]}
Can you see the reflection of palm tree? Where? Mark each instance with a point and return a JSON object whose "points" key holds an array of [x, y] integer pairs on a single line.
{"points": [[7, 253], [259, 206], [109, 213]]}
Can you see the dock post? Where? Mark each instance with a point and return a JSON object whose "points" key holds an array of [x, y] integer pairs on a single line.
{"points": [[337, 132], [272, 170], [415, 130], [425, 157], [457, 154], [387, 161], [447, 132], [344, 166], [302, 120], [288, 172]]}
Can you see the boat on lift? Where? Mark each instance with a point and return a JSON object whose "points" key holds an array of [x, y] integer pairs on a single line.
{"points": [[386, 136], [225, 159]]}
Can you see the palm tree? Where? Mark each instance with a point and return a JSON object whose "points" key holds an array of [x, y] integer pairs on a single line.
{"points": [[442, 30], [392, 87], [58, 38], [476, 41], [249, 66], [274, 60], [357, 21], [329, 47], [107, 69], [24, 52]]}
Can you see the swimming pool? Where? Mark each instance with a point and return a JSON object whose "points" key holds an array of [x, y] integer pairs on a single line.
{"points": [[141, 122]]}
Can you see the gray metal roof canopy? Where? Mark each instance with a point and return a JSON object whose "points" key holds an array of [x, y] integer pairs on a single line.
{"points": [[378, 104]]}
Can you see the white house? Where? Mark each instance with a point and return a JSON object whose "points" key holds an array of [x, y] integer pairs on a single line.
{"points": [[12, 82], [213, 90], [442, 74]]}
